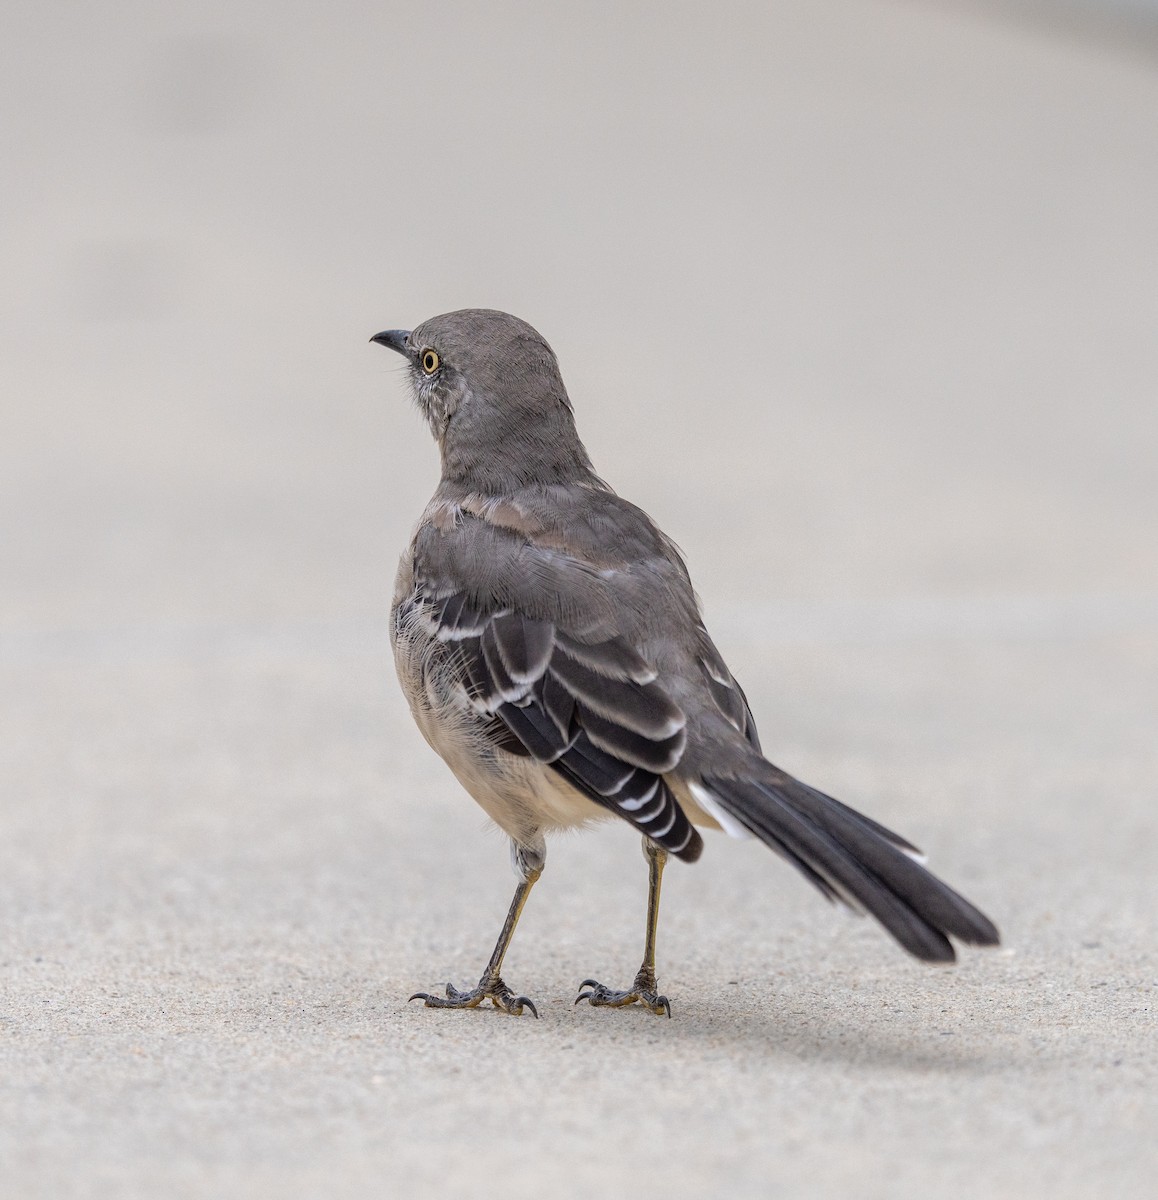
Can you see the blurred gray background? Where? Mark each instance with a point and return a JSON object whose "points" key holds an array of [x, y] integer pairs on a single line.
{"points": [[859, 299]]}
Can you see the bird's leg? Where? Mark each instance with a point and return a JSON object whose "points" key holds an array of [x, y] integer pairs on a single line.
{"points": [[643, 991], [528, 863]]}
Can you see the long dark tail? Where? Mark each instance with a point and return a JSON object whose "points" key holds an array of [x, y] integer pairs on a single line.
{"points": [[851, 858]]}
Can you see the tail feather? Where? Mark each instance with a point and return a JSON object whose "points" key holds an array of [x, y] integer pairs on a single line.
{"points": [[847, 855], [889, 836]]}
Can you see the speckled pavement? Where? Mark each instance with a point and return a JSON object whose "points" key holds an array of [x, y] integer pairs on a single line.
{"points": [[858, 300]]}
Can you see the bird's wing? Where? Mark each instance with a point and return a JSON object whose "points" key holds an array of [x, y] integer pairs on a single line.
{"points": [[538, 634], [724, 691]]}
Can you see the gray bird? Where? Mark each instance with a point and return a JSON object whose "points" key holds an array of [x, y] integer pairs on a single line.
{"points": [[551, 648]]}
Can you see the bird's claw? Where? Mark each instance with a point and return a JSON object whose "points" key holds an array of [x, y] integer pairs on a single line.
{"points": [[587, 983], [518, 1003], [644, 993], [493, 990]]}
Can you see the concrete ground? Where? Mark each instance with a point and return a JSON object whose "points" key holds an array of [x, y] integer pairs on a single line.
{"points": [[858, 299]]}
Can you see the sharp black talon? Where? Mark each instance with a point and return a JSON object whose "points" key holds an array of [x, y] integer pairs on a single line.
{"points": [[594, 983], [662, 1001], [584, 996], [528, 1004], [419, 996]]}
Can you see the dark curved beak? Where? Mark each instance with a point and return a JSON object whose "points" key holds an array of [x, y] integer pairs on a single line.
{"points": [[395, 339]]}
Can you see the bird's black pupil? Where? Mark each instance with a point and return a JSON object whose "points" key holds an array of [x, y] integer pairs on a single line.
{"points": [[428, 361]]}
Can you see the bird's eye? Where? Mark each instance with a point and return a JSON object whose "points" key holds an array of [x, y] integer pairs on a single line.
{"points": [[430, 361]]}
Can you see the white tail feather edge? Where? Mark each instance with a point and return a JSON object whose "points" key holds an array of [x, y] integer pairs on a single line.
{"points": [[713, 808]]}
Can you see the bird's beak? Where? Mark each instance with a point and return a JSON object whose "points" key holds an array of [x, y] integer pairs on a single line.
{"points": [[395, 339]]}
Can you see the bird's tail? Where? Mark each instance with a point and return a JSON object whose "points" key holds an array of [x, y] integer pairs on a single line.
{"points": [[848, 857]]}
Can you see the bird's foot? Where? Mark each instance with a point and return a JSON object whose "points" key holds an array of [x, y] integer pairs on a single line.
{"points": [[492, 989], [643, 992]]}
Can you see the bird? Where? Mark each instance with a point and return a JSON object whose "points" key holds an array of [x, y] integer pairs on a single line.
{"points": [[552, 650]]}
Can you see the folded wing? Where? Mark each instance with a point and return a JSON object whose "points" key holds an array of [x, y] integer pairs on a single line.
{"points": [[592, 711]]}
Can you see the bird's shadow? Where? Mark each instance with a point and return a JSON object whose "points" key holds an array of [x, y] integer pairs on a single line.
{"points": [[822, 1032], [826, 1037]]}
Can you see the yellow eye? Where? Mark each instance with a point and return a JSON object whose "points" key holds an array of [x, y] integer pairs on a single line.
{"points": [[429, 361]]}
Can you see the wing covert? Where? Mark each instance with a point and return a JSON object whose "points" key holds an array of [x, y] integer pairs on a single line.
{"points": [[594, 712]]}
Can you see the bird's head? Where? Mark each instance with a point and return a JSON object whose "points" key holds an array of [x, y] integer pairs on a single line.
{"points": [[490, 389]]}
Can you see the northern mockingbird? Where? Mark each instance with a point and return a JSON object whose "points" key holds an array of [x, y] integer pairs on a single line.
{"points": [[551, 648]]}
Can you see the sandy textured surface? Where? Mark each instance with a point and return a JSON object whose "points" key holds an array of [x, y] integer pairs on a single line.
{"points": [[859, 300]]}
